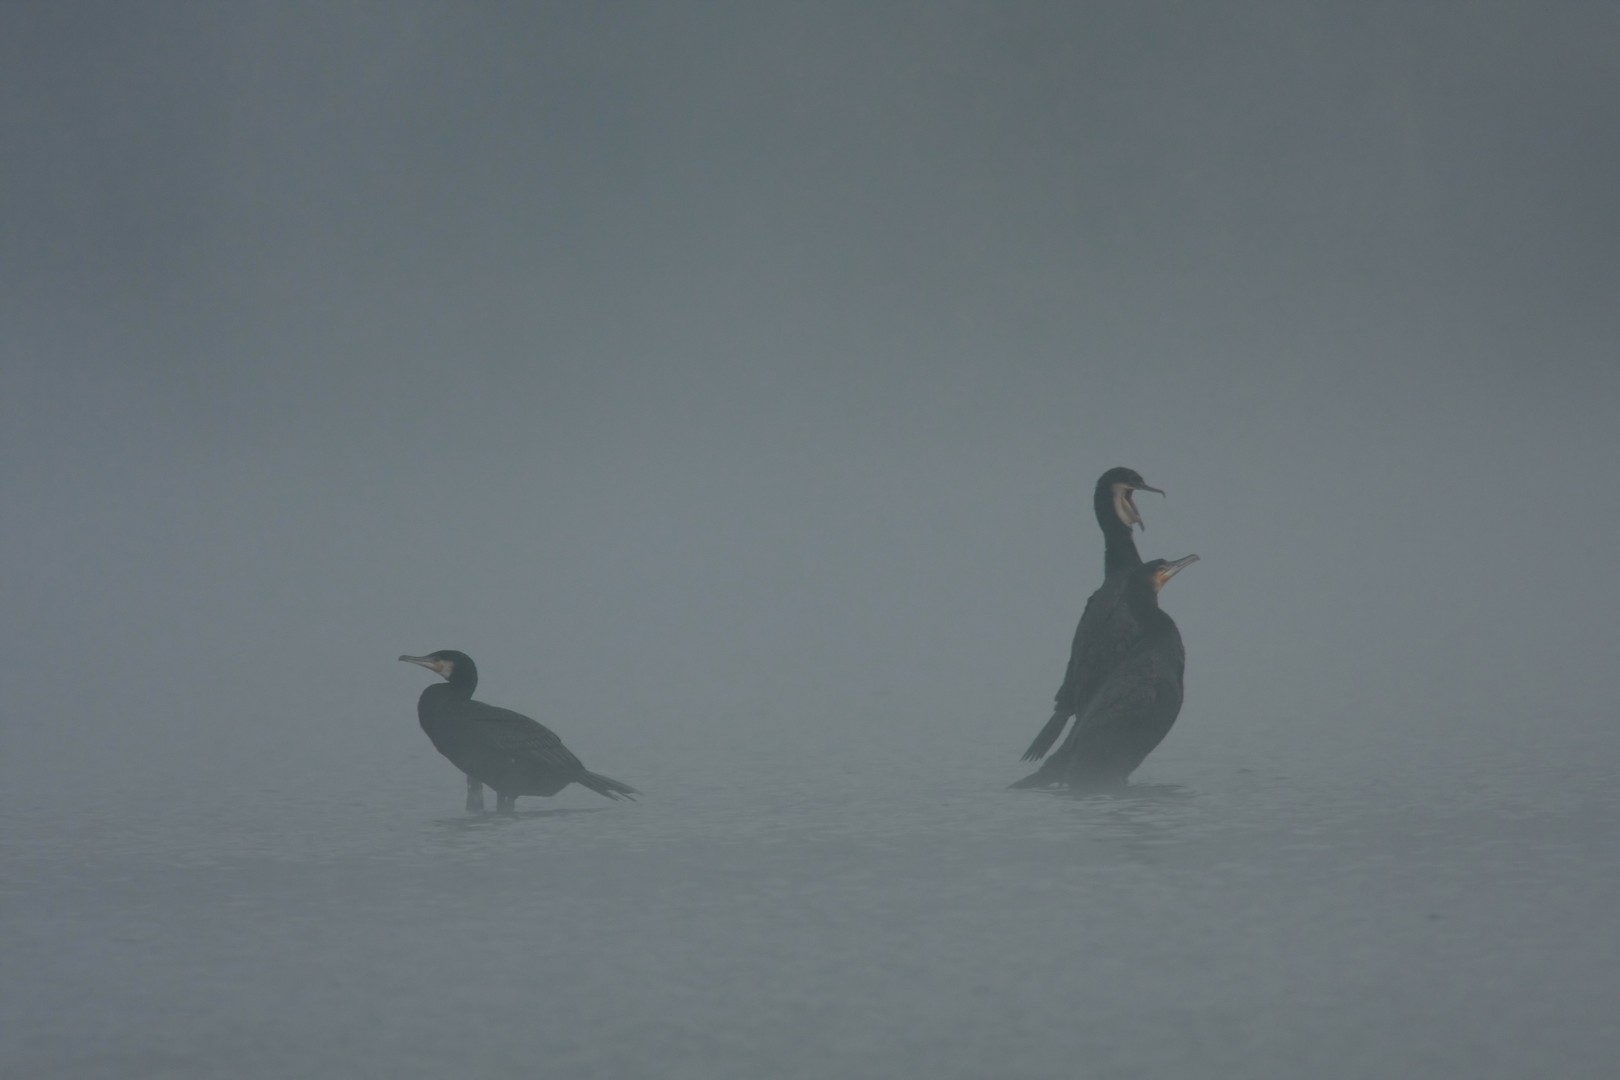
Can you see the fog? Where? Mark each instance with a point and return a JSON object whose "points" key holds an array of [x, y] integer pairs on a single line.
{"points": [[730, 381]]}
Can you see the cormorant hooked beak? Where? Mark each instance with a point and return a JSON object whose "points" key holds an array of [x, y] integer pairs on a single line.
{"points": [[1170, 570], [1125, 504], [442, 668]]}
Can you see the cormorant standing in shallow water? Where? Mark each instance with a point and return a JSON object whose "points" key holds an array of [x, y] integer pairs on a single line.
{"points": [[1106, 628], [506, 750], [1133, 709]]}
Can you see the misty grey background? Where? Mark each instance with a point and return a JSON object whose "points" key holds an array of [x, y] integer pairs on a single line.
{"points": [[730, 382]]}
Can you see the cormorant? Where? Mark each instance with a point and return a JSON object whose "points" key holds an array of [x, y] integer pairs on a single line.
{"points": [[1106, 629], [506, 750], [1133, 709]]}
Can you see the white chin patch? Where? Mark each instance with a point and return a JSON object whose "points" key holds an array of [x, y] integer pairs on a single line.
{"points": [[1124, 507], [445, 667]]}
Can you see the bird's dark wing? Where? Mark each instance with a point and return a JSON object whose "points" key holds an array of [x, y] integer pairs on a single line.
{"points": [[520, 737], [1130, 712], [1063, 700], [1116, 702], [1106, 633], [1090, 659]]}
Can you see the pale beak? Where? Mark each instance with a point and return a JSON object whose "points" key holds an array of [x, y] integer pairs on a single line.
{"points": [[425, 661]]}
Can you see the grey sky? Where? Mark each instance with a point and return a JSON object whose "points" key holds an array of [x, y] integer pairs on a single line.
{"points": [[712, 370]]}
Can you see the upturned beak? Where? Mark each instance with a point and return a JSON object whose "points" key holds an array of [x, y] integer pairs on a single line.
{"points": [[1170, 570]]}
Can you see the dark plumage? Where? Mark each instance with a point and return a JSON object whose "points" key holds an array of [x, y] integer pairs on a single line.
{"points": [[506, 750], [1133, 709], [1106, 628]]}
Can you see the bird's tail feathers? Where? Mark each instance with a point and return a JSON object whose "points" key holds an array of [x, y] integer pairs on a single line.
{"points": [[1049, 735], [609, 787]]}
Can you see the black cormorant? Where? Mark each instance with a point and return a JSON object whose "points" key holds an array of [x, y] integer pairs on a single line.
{"points": [[1133, 709], [1106, 629], [506, 750]]}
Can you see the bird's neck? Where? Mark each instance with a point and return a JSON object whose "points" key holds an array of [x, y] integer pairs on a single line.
{"points": [[461, 686], [1119, 546]]}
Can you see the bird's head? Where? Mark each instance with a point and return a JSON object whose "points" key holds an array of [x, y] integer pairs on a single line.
{"points": [[1121, 485], [1158, 571]]}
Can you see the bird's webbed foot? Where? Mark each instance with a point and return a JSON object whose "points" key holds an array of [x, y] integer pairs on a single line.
{"points": [[475, 796]]}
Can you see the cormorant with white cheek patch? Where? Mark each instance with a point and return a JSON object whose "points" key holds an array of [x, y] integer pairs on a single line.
{"points": [[1106, 628]]}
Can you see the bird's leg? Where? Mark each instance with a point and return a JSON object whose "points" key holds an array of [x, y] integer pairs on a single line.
{"points": [[475, 796], [505, 804]]}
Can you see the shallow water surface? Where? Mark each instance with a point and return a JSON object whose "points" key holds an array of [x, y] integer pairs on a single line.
{"points": [[839, 915]]}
